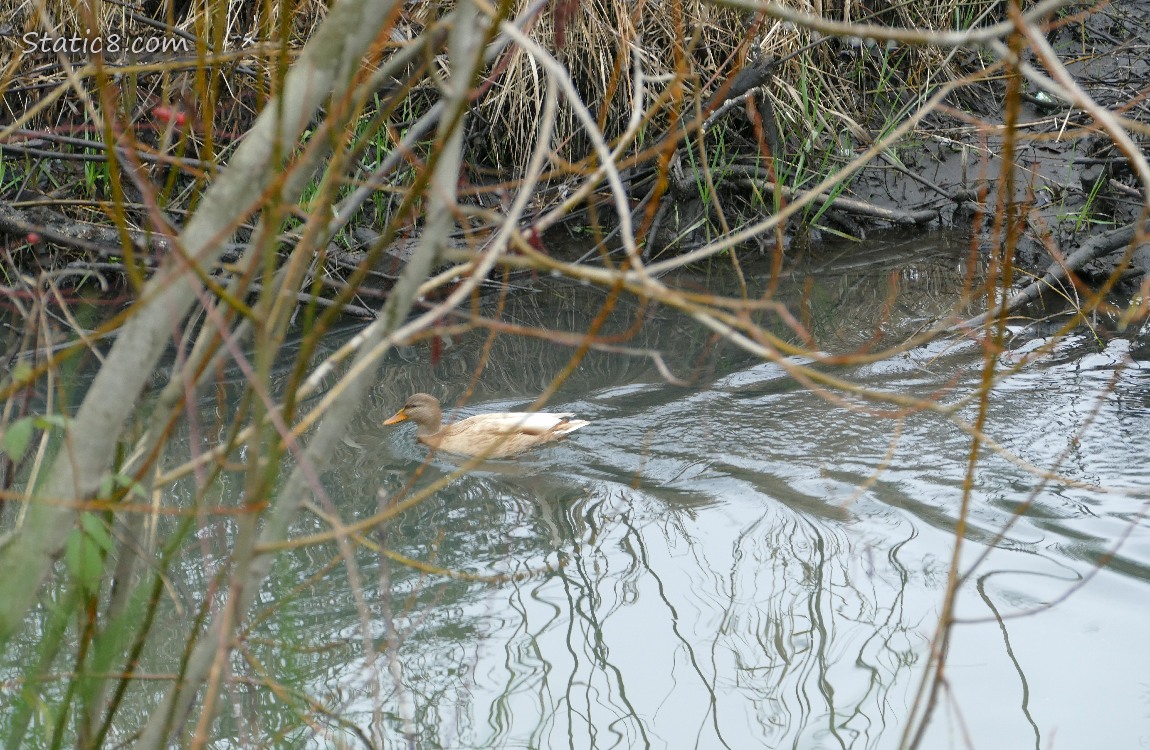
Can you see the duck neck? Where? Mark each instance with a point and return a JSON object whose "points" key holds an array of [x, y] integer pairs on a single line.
{"points": [[430, 424], [427, 429]]}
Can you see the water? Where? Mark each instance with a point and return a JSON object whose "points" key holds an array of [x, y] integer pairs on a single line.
{"points": [[745, 562], [736, 562]]}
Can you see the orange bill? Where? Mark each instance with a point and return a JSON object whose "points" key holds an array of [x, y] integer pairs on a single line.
{"points": [[399, 416]]}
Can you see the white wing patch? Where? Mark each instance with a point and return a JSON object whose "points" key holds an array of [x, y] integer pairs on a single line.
{"points": [[532, 423]]}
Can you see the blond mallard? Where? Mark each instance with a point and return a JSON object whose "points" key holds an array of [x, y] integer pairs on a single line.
{"points": [[495, 435]]}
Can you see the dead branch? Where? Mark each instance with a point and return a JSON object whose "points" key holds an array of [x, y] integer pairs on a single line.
{"points": [[1095, 247]]}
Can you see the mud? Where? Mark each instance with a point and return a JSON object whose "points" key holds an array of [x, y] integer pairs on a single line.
{"points": [[1070, 179]]}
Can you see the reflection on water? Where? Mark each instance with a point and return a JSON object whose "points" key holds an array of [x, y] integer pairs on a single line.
{"points": [[740, 562]]}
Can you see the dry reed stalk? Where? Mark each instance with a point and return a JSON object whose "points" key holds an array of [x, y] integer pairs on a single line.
{"points": [[687, 51]]}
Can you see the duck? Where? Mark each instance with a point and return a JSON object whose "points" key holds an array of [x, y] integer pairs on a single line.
{"points": [[494, 435]]}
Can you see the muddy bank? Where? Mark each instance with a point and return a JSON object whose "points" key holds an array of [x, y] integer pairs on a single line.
{"points": [[1074, 187]]}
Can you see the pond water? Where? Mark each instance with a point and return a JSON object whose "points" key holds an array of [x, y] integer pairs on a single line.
{"points": [[738, 561]]}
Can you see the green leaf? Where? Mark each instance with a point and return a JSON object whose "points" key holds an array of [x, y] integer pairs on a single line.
{"points": [[82, 559], [17, 437], [48, 421], [94, 527], [111, 482], [22, 372]]}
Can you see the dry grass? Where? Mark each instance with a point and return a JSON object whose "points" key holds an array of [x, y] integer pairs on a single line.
{"points": [[685, 52], [689, 50]]}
